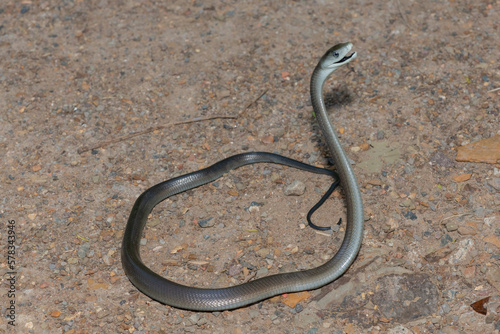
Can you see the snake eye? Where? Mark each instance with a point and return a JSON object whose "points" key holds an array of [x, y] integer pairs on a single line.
{"points": [[335, 54]]}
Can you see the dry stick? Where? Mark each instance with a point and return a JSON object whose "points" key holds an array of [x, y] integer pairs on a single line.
{"points": [[493, 90], [254, 101], [459, 215], [148, 130], [403, 16], [159, 127]]}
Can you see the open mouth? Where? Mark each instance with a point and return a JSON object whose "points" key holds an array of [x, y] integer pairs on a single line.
{"points": [[346, 58]]}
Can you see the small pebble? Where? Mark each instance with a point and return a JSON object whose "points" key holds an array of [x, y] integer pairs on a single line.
{"points": [[275, 177], [253, 313], [55, 314], [410, 215], [296, 188], [83, 250], [268, 139], [194, 318], [209, 222], [262, 272], [375, 182], [234, 270], [446, 239], [451, 226], [445, 308]]}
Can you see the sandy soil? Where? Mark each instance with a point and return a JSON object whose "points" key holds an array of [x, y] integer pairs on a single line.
{"points": [[76, 74]]}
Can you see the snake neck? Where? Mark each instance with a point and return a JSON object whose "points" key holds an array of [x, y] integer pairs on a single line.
{"points": [[318, 80], [341, 162]]}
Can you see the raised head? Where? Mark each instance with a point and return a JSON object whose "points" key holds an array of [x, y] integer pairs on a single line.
{"points": [[337, 56]]}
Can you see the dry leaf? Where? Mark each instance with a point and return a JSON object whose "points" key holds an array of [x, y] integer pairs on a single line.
{"points": [[292, 299], [233, 193], [486, 150], [493, 239], [462, 177], [479, 306]]}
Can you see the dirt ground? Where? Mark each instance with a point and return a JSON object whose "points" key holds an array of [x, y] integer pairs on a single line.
{"points": [[76, 74]]}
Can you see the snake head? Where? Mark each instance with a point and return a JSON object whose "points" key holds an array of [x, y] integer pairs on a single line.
{"points": [[337, 56]]}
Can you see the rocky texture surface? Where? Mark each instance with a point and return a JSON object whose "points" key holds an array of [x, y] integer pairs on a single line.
{"points": [[90, 74]]}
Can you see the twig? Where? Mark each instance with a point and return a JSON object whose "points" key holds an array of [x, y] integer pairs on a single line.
{"points": [[459, 215], [148, 130], [254, 101], [250, 276], [493, 90], [323, 233], [407, 23], [159, 127]]}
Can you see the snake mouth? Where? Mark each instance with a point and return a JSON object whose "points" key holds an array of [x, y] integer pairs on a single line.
{"points": [[347, 59]]}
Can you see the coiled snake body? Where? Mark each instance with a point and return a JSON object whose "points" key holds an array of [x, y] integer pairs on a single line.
{"points": [[200, 299]]}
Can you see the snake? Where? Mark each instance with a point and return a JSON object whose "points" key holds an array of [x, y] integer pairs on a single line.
{"points": [[204, 299]]}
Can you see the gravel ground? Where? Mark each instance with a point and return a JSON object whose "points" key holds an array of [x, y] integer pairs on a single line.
{"points": [[77, 74]]}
